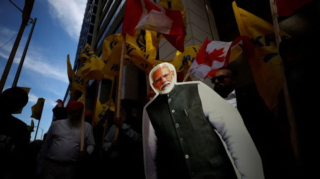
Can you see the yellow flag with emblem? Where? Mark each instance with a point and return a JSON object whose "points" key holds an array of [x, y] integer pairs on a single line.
{"points": [[267, 67], [141, 50], [75, 85], [111, 54], [90, 65], [104, 107], [99, 109], [36, 110], [181, 60]]}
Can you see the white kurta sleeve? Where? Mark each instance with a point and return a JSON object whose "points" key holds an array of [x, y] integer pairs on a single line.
{"points": [[149, 147], [229, 124]]}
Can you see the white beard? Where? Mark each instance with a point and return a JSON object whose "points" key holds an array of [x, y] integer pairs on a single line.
{"points": [[74, 123], [167, 90]]}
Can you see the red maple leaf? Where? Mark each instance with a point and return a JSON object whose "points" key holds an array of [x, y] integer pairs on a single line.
{"points": [[216, 55]]}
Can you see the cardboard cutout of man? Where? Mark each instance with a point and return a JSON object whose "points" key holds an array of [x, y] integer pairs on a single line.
{"points": [[189, 131]]}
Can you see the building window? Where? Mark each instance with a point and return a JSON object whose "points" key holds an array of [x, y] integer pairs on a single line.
{"points": [[119, 28], [110, 23], [105, 17], [105, 5]]}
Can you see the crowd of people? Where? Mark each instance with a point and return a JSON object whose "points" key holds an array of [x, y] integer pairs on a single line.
{"points": [[188, 131]]}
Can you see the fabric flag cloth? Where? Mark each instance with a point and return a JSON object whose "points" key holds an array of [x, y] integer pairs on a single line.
{"points": [[108, 105], [288, 7], [212, 56], [36, 110], [175, 5], [90, 65], [99, 109], [111, 54], [266, 68], [185, 59], [76, 82], [146, 15], [31, 127], [141, 50]]}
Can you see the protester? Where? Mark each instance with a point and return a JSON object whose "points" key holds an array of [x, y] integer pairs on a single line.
{"points": [[14, 135], [59, 111], [182, 128], [121, 153], [60, 154], [257, 118]]}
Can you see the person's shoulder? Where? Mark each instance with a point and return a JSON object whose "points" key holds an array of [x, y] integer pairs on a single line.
{"points": [[59, 122], [87, 125], [17, 122]]}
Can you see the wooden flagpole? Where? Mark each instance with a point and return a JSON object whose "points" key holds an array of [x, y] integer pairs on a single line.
{"points": [[106, 122], [291, 117], [95, 104], [119, 88], [186, 77], [83, 114]]}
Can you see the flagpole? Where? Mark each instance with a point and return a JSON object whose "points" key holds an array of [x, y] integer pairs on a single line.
{"points": [[106, 122], [95, 104], [186, 77], [83, 115], [35, 136], [119, 88], [291, 117]]}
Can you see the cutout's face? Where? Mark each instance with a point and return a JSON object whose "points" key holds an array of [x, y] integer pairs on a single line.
{"points": [[163, 79]]}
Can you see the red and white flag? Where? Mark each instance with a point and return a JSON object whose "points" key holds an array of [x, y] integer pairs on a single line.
{"points": [[146, 15], [288, 7], [212, 56]]}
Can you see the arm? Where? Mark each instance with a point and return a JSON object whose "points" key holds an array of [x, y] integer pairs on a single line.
{"points": [[89, 139], [44, 150], [134, 136], [229, 124], [149, 147], [109, 139]]}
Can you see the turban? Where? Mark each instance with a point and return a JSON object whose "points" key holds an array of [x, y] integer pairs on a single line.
{"points": [[74, 106]]}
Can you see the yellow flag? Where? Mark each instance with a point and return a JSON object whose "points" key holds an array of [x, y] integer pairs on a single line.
{"points": [[104, 107], [37, 109], [97, 114], [111, 54], [266, 68], [75, 84], [141, 50], [108, 45], [186, 58], [31, 127], [90, 65]]}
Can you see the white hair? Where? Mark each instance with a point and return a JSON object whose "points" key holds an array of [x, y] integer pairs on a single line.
{"points": [[171, 68]]}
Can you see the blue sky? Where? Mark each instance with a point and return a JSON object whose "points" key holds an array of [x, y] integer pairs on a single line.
{"points": [[56, 34]]}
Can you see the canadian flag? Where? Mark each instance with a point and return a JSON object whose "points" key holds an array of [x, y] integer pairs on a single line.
{"points": [[147, 15], [212, 56], [288, 7]]}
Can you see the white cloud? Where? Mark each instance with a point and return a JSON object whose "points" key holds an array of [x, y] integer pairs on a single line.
{"points": [[37, 61], [49, 103], [7, 33], [70, 14], [33, 98]]}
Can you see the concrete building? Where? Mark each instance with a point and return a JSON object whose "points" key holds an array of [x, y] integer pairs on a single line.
{"points": [[205, 18]]}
